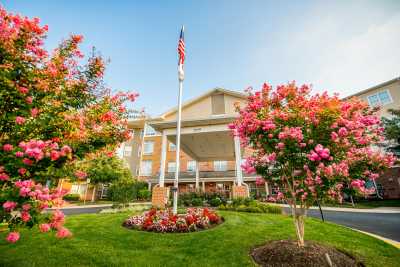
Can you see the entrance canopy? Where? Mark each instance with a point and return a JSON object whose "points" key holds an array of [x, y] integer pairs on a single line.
{"points": [[202, 140]]}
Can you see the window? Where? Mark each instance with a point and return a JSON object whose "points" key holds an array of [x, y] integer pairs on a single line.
{"points": [[171, 147], [171, 166], [137, 171], [148, 147], [127, 151], [380, 99], [218, 104], [146, 168], [220, 165], [149, 131], [191, 166]]}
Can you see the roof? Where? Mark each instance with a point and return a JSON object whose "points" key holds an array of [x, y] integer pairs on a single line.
{"points": [[374, 87], [206, 94]]}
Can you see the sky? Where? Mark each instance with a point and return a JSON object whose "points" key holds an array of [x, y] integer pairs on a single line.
{"points": [[337, 46]]}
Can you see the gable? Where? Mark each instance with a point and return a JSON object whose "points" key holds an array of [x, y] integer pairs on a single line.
{"points": [[217, 103]]}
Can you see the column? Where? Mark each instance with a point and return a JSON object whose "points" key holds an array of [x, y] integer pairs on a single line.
{"points": [[238, 157], [149, 185], [266, 188], [163, 158], [197, 175], [203, 186]]}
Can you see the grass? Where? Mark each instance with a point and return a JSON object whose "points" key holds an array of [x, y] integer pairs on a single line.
{"points": [[99, 240]]}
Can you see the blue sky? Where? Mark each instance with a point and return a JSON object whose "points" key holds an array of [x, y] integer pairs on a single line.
{"points": [[339, 46]]}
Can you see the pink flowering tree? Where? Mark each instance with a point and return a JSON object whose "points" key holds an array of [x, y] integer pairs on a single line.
{"points": [[310, 146], [53, 111]]}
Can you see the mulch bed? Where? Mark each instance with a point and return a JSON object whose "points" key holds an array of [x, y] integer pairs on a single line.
{"points": [[287, 253]]}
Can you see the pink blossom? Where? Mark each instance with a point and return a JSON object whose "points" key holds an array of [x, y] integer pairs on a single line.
{"points": [[281, 145], [63, 233], [9, 205], [44, 227], [66, 149], [29, 100], [34, 112], [26, 207], [4, 177], [13, 237], [27, 161], [80, 174], [334, 136], [21, 171], [343, 132], [19, 154], [23, 90], [19, 120], [7, 147], [25, 216], [54, 155]]}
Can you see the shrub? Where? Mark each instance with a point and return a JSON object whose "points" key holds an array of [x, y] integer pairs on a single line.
{"points": [[144, 194], [72, 197], [253, 206], [215, 202], [197, 202], [123, 191]]}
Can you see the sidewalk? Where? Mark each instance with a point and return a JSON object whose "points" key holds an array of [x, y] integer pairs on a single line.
{"points": [[374, 210]]}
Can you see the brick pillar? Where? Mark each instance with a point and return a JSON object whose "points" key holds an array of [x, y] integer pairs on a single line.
{"points": [[239, 191], [159, 197]]}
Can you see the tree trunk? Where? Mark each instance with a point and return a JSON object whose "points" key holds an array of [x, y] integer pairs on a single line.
{"points": [[299, 215]]}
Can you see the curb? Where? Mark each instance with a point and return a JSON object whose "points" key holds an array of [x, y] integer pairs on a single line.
{"points": [[377, 210], [97, 206], [392, 242]]}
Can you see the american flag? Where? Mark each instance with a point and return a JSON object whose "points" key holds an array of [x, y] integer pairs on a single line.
{"points": [[181, 48]]}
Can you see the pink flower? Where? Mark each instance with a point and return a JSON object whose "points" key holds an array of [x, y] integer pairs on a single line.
{"points": [[54, 155], [13, 237], [4, 177], [34, 112], [25, 216], [19, 120], [63, 233], [9, 205], [23, 90], [27, 161], [7, 147], [29, 100], [66, 149], [80, 174], [21, 171], [26, 207], [281, 145], [24, 191], [19, 154], [44, 227], [343, 132], [334, 136]]}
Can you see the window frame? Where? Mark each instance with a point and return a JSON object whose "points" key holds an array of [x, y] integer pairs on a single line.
{"points": [[189, 163], [379, 101], [150, 163], [219, 169], [144, 147], [169, 167]]}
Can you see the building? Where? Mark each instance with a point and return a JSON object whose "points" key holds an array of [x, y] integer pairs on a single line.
{"points": [[210, 156], [385, 96]]}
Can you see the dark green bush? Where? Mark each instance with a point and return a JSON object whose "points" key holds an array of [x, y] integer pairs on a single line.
{"points": [[197, 202], [71, 197], [144, 194], [215, 202], [246, 205]]}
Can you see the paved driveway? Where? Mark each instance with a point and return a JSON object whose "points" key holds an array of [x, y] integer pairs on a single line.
{"points": [[383, 224]]}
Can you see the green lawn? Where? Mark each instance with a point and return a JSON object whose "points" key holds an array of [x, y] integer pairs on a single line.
{"points": [[100, 240]]}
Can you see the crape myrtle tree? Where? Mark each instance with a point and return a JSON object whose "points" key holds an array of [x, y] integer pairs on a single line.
{"points": [[53, 110], [310, 146]]}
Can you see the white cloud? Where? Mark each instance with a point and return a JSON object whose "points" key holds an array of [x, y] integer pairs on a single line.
{"points": [[364, 60]]}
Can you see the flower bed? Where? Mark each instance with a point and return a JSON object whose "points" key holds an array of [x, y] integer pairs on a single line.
{"points": [[164, 221]]}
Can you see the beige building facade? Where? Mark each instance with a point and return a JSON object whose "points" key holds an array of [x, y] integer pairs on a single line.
{"points": [[386, 96], [210, 155]]}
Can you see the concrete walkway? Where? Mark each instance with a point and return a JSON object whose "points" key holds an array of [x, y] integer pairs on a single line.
{"points": [[374, 210]]}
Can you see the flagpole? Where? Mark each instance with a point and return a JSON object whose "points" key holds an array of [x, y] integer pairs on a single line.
{"points": [[181, 76]]}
